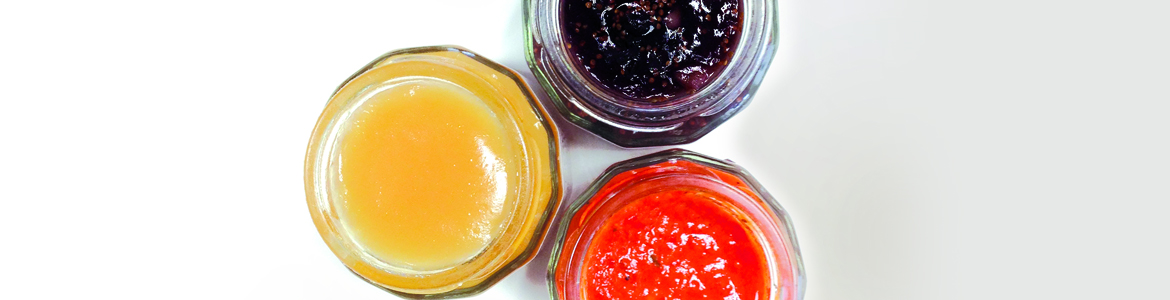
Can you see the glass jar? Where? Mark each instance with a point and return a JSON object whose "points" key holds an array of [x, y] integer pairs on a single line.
{"points": [[522, 175], [640, 190], [632, 122]]}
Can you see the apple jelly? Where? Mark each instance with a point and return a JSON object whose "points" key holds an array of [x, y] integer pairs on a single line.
{"points": [[433, 173]]}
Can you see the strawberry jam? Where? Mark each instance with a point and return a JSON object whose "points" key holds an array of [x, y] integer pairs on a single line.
{"points": [[652, 50], [676, 244], [675, 225]]}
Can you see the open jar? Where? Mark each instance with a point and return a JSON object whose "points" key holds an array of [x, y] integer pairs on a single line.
{"points": [[675, 225], [433, 172], [650, 72]]}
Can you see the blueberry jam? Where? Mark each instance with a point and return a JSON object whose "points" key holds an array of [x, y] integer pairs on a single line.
{"points": [[652, 50]]}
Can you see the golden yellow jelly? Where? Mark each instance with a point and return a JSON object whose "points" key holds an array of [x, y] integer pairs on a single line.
{"points": [[425, 173], [432, 172]]}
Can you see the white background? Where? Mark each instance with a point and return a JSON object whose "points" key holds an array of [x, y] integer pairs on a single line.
{"points": [[926, 149]]}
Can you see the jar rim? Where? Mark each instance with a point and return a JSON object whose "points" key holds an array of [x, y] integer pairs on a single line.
{"points": [[536, 202], [781, 232], [555, 68]]}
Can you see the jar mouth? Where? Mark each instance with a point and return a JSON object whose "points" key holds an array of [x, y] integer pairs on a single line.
{"points": [[769, 224], [754, 48], [344, 123], [528, 200], [731, 202]]}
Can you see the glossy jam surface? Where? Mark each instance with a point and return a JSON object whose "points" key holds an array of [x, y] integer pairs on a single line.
{"points": [[675, 245], [675, 225], [652, 50], [432, 173], [424, 171]]}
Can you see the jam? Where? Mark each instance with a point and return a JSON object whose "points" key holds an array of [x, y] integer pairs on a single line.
{"points": [[675, 245], [652, 50], [432, 173], [675, 225]]}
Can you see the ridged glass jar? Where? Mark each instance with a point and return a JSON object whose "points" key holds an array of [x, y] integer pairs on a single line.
{"points": [[533, 193], [627, 122], [630, 181]]}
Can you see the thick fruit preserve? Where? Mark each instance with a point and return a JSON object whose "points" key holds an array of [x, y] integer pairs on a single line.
{"points": [[675, 245], [675, 225], [645, 73], [652, 50]]}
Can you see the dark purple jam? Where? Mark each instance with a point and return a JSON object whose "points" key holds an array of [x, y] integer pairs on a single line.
{"points": [[652, 50]]}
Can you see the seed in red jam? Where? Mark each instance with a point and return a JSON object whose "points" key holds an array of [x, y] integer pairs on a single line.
{"points": [[675, 244], [652, 50]]}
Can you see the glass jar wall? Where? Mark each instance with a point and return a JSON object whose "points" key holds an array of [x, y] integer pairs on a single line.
{"points": [[650, 73], [675, 225], [433, 172]]}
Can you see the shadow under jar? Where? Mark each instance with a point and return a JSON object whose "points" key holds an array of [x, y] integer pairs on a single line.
{"points": [[650, 73], [675, 225]]}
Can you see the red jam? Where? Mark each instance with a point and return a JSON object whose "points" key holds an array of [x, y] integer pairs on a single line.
{"points": [[674, 226], [676, 244]]}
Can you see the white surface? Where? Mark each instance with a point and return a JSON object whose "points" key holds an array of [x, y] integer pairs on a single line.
{"points": [[926, 150]]}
